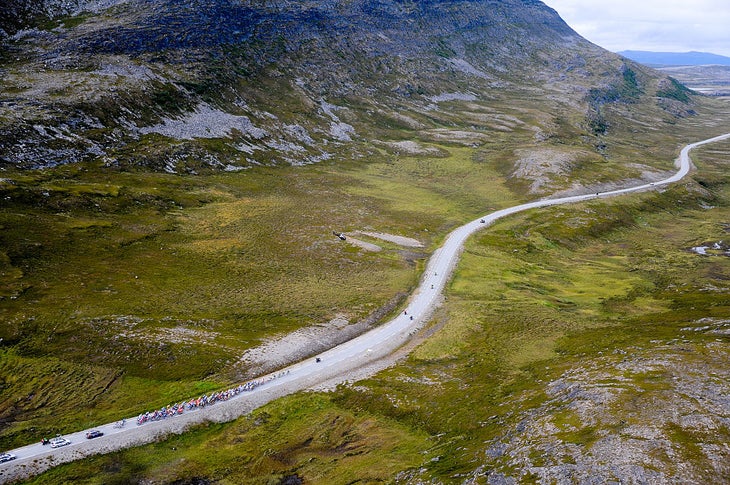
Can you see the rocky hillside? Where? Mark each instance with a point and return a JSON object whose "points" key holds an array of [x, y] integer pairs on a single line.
{"points": [[229, 84]]}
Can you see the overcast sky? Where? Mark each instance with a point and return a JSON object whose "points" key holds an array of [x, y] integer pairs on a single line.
{"points": [[650, 25]]}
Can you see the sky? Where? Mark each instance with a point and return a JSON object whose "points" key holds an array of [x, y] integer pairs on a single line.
{"points": [[650, 25]]}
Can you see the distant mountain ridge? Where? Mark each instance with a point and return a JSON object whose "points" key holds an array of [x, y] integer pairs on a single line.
{"points": [[676, 58]]}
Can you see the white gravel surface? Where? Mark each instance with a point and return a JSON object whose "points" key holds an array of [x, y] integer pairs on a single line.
{"points": [[340, 364], [400, 240]]}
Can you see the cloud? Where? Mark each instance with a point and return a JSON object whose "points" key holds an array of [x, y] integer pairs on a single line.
{"points": [[658, 25]]}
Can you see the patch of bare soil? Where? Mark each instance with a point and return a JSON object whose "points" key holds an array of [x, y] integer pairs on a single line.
{"points": [[408, 147], [400, 240], [364, 245]]}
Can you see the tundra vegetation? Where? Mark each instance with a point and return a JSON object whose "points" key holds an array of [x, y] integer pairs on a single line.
{"points": [[602, 297], [585, 340]]}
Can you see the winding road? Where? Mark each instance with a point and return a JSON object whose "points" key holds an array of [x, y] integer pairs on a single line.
{"points": [[333, 366]]}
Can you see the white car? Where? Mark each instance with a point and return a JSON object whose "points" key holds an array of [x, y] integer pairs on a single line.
{"points": [[6, 457], [59, 442]]}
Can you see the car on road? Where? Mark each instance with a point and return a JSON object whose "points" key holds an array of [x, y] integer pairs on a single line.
{"points": [[94, 434], [59, 442], [6, 457]]}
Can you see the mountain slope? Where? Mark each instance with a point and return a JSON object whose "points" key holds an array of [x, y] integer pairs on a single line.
{"points": [[272, 76], [676, 58]]}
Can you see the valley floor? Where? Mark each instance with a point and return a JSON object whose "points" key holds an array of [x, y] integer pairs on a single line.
{"points": [[584, 403]]}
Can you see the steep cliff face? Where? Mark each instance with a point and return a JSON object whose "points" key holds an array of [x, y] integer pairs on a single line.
{"points": [[270, 81]]}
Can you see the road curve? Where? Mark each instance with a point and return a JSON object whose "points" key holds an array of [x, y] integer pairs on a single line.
{"points": [[334, 364]]}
